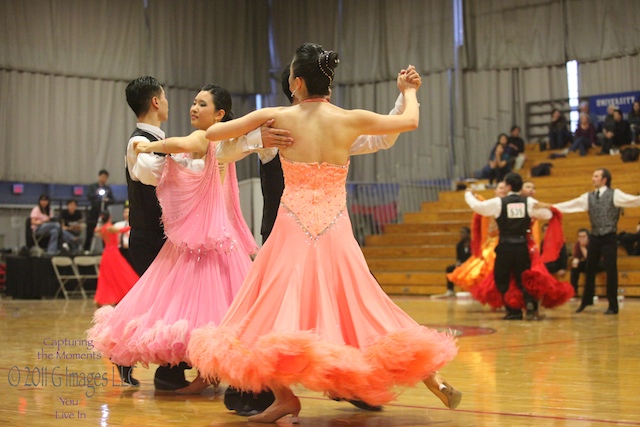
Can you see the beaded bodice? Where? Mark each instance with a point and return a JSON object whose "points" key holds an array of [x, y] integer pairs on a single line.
{"points": [[314, 194]]}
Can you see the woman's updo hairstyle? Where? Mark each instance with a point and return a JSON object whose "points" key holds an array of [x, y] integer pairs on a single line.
{"points": [[316, 66], [221, 100]]}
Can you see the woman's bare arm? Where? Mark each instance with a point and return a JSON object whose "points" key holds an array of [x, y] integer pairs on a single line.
{"points": [[196, 142]]}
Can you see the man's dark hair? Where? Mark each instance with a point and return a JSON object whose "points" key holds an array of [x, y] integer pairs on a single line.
{"points": [[583, 230], [466, 229], [140, 92], [103, 172], [606, 174], [514, 180], [72, 201], [514, 127]]}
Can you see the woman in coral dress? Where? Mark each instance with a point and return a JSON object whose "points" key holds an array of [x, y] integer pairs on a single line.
{"points": [[116, 277], [201, 266], [309, 312]]}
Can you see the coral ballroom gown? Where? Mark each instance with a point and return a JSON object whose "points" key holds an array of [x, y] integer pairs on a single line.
{"points": [[311, 313]]}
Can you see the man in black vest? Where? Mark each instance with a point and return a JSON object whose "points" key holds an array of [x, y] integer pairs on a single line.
{"points": [[603, 206], [513, 214], [147, 99]]}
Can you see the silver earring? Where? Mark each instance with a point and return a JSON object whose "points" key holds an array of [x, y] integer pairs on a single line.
{"points": [[293, 93]]}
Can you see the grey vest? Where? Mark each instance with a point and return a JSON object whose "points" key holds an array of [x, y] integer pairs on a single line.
{"points": [[603, 214]]}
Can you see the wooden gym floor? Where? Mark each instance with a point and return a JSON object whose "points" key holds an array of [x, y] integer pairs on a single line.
{"points": [[566, 370]]}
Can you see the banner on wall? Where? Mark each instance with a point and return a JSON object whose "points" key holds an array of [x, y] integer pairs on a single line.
{"points": [[598, 104]]}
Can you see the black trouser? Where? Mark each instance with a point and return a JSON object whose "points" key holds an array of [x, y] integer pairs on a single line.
{"points": [[450, 269], [575, 274], [607, 248], [144, 246], [630, 242], [92, 223], [512, 258]]}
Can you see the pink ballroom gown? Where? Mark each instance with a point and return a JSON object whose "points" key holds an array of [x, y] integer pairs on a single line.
{"points": [[194, 278], [310, 312], [116, 276]]}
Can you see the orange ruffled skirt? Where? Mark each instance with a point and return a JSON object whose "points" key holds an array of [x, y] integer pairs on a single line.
{"points": [[311, 313]]}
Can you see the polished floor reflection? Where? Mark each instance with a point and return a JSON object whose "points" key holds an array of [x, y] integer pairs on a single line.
{"points": [[566, 370]]}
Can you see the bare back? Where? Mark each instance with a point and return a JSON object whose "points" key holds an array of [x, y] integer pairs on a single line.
{"points": [[319, 131]]}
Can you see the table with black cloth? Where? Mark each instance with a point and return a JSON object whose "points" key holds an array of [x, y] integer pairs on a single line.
{"points": [[34, 278]]}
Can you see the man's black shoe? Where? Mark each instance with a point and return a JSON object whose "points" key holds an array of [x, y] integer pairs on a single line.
{"points": [[358, 404], [513, 316], [610, 311], [582, 307], [125, 375], [170, 378], [169, 385], [365, 406]]}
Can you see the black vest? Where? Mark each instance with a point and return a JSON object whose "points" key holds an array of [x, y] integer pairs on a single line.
{"points": [[272, 183], [514, 220], [144, 208], [603, 214]]}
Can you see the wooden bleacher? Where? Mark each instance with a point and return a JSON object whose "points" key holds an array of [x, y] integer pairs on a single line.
{"points": [[410, 258]]}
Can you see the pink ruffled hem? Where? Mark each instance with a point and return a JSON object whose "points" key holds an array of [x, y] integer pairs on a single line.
{"points": [[162, 344], [401, 358]]}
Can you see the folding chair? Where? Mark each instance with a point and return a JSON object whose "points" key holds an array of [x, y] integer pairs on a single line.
{"points": [[36, 244], [87, 267], [65, 272]]}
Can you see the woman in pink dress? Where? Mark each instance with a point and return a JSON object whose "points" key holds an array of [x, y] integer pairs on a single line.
{"points": [[310, 312], [201, 266], [116, 276]]}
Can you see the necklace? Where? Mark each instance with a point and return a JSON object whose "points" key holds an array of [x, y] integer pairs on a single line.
{"points": [[314, 100]]}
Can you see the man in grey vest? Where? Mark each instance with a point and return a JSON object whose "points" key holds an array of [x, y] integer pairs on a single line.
{"points": [[603, 206]]}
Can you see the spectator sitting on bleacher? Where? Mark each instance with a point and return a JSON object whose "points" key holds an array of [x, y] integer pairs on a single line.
{"points": [[43, 223], [634, 121], [515, 148], [498, 165], [72, 221], [579, 258], [618, 136], [559, 135], [606, 126], [584, 109], [463, 252], [584, 136], [630, 241]]}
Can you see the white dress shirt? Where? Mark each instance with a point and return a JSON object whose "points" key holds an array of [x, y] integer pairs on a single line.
{"points": [[147, 167], [229, 151], [581, 204], [493, 207]]}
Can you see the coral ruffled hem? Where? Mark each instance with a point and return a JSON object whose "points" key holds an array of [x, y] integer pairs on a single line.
{"points": [[401, 358]]}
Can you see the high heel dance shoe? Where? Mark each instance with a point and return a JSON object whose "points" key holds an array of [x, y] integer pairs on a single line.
{"points": [[445, 391], [276, 411]]}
